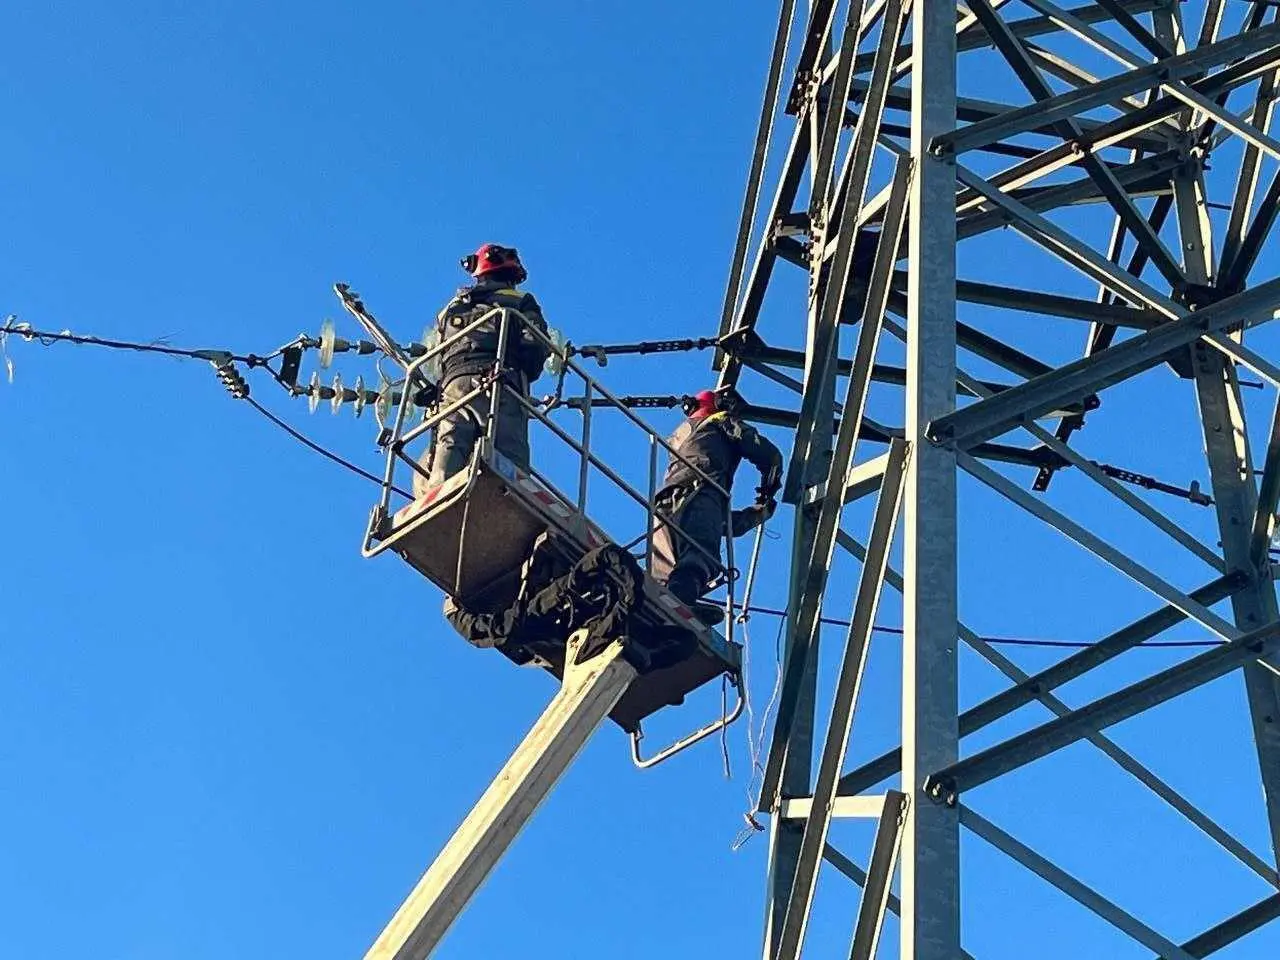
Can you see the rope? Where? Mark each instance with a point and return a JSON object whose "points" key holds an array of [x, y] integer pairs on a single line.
{"points": [[724, 726], [755, 742]]}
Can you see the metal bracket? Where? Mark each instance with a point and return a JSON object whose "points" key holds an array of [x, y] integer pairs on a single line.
{"points": [[696, 737]]}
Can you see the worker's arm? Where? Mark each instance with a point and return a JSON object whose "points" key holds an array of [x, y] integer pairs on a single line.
{"points": [[533, 351], [747, 519], [764, 456]]}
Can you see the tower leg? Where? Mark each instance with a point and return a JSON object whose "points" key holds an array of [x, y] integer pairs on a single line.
{"points": [[590, 690]]}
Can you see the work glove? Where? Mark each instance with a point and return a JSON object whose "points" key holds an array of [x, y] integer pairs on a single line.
{"points": [[426, 395], [770, 484]]}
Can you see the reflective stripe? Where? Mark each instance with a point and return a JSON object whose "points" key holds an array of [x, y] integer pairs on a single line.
{"points": [[669, 601]]}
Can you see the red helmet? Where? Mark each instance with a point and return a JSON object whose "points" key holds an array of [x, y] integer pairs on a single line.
{"points": [[492, 258], [704, 403]]}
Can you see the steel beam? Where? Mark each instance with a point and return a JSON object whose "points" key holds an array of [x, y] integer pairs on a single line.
{"points": [[1236, 501], [1044, 304], [1119, 132], [864, 807], [930, 868], [1031, 689], [1250, 169], [819, 382], [859, 876], [815, 571], [759, 156], [949, 782], [1101, 334], [1139, 175], [990, 418], [973, 37], [1072, 887], [1233, 928], [971, 109], [1071, 250], [848, 685], [793, 168], [1076, 102], [1122, 759], [875, 891], [880, 372], [1098, 547], [1268, 497], [1016, 55], [836, 298]]}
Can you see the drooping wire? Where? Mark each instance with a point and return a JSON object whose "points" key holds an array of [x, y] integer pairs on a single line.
{"points": [[1004, 641], [756, 740], [222, 361], [312, 445]]}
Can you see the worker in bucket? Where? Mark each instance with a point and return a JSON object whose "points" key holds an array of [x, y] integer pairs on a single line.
{"points": [[467, 361], [714, 439]]}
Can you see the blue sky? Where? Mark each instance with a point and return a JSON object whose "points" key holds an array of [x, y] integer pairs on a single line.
{"points": [[226, 734]]}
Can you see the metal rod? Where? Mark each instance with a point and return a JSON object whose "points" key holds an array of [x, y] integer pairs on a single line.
{"points": [[1071, 886], [875, 892], [1056, 734], [848, 684], [584, 466]]}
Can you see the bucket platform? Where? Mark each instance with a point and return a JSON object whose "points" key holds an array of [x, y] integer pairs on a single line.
{"points": [[471, 536]]}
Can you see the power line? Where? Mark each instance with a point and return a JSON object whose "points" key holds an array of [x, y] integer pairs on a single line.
{"points": [[311, 444], [47, 338], [222, 361], [1000, 641]]}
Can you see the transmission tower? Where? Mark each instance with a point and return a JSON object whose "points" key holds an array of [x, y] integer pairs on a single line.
{"points": [[1127, 150]]}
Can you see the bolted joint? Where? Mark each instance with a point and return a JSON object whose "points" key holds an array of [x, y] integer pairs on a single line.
{"points": [[1197, 295], [941, 790], [941, 148], [803, 92], [939, 435]]}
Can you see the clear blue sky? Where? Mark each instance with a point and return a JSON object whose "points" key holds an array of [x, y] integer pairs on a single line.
{"points": [[225, 734]]}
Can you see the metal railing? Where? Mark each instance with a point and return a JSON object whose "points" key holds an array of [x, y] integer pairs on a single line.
{"points": [[593, 395]]}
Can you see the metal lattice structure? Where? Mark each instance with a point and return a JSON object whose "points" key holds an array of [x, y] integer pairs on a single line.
{"points": [[1113, 119]]}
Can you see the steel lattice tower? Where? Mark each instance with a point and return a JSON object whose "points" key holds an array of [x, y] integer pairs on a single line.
{"points": [[1096, 156]]}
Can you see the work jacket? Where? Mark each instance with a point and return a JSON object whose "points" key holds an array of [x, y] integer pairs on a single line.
{"points": [[716, 445], [477, 351]]}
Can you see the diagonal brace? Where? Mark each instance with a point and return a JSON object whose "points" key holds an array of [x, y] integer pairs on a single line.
{"points": [[848, 685], [947, 784], [1074, 381]]}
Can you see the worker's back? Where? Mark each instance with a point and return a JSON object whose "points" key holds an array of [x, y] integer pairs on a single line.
{"points": [[708, 443], [478, 348]]}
